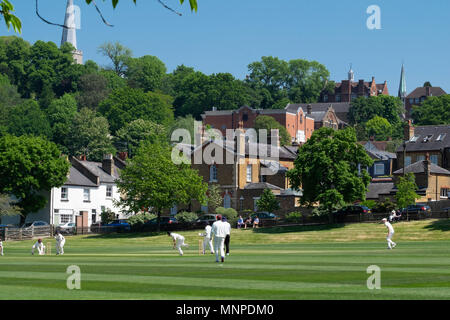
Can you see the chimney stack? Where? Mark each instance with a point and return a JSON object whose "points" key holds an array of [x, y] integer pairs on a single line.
{"points": [[428, 91], [409, 131], [309, 109], [123, 155], [427, 164], [108, 164]]}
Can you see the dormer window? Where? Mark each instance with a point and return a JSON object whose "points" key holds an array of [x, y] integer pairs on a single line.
{"points": [[415, 138], [427, 138], [441, 137]]}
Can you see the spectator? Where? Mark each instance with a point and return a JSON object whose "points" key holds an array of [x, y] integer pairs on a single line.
{"points": [[240, 222], [248, 221], [255, 222]]}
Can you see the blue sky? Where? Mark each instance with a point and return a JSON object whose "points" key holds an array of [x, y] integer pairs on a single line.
{"points": [[227, 35]]}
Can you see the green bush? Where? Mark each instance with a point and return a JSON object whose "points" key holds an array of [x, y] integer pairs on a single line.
{"points": [[295, 217], [186, 217], [383, 207], [229, 213], [141, 218], [108, 216], [369, 204]]}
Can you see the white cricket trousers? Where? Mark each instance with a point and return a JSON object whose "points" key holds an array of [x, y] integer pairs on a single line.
{"points": [[206, 241], [180, 243], [389, 240], [219, 247], [60, 247]]}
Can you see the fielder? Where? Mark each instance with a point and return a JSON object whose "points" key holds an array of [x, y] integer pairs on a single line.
{"points": [[219, 230], [391, 244], [1, 247], [178, 241], [227, 237], [60, 242], [207, 239], [39, 245]]}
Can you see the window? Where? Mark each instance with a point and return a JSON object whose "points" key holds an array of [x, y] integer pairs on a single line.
{"points": [[354, 96], [86, 195], [417, 100], [241, 203], [338, 98], [415, 138], [109, 191], [249, 173], [427, 138], [420, 158], [441, 137], [325, 98], [213, 173], [65, 218], [434, 159], [445, 193], [379, 169], [64, 194], [245, 117], [407, 160], [411, 100]]}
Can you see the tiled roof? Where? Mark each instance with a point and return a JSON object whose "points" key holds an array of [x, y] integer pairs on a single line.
{"points": [[76, 178], [375, 189], [420, 167], [442, 132], [422, 92], [96, 168]]}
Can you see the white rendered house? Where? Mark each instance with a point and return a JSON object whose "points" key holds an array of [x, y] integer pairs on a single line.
{"points": [[90, 187]]}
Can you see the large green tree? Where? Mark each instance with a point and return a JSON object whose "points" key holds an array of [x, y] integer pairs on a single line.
{"points": [[331, 165], [363, 109], [89, 135], [406, 193], [28, 118], [146, 73], [125, 105], [433, 111], [93, 89], [268, 202], [28, 166], [151, 181], [299, 80], [379, 128], [118, 54], [132, 134], [268, 123]]}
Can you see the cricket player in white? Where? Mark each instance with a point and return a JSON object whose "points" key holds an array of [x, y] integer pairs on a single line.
{"points": [[178, 241], [39, 245], [207, 239], [60, 241], [1, 247], [219, 230], [391, 244]]}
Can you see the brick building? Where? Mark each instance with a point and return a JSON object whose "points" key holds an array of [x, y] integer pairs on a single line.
{"points": [[419, 95], [348, 90], [298, 124], [244, 179]]}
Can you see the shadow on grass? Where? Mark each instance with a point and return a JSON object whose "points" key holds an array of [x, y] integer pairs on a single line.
{"points": [[441, 225], [287, 229], [126, 235]]}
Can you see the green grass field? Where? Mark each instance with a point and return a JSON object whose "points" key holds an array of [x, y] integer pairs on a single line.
{"points": [[275, 263]]}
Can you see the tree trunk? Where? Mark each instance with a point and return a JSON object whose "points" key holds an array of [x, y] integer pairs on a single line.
{"points": [[22, 220]]}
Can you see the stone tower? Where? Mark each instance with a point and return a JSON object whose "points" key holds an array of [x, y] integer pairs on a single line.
{"points": [[70, 32]]}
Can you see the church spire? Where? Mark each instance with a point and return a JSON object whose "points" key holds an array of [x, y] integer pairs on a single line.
{"points": [[70, 32], [351, 74], [402, 87]]}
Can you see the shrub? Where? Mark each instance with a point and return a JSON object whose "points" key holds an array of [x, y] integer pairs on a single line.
{"points": [[369, 204], [229, 213], [108, 216], [140, 218], [186, 217], [295, 217], [385, 206]]}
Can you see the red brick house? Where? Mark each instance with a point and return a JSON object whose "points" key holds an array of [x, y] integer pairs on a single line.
{"points": [[419, 95], [294, 118], [348, 90]]}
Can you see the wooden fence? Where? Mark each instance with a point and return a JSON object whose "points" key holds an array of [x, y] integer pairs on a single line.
{"points": [[26, 233]]}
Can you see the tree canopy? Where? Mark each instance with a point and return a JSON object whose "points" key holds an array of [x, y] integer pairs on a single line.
{"points": [[268, 123], [28, 166], [268, 202], [433, 111], [330, 165], [153, 182], [406, 193]]}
